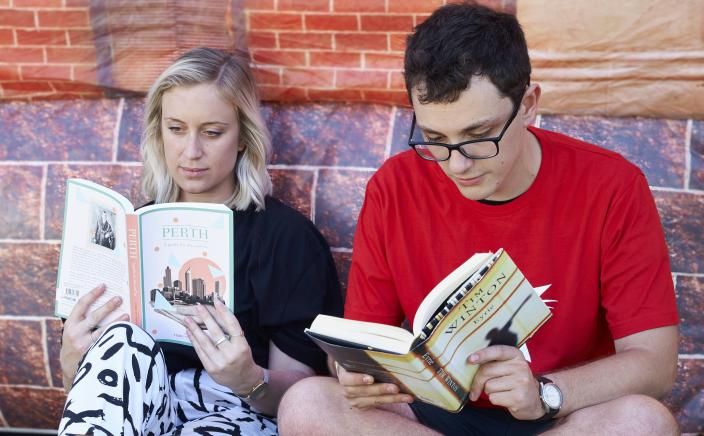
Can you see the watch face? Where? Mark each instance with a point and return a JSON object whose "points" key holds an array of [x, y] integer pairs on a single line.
{"points": [[552, 396]]}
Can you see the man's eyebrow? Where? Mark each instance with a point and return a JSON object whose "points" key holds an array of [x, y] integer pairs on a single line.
{"points": [[484, 122]]}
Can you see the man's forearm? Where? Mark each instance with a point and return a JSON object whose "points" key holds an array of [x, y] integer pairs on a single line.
{"points": [[635, 370]]}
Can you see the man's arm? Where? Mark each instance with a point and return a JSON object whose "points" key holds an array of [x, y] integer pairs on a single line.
{"points": [[644, 363]]}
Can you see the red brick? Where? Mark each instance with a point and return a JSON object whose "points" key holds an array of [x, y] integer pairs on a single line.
{"points": [[361, 79], [397, 41], [63, 19], [21, 54], [37, 3], [307, 77], [397, 80], [25, 87], [273, 21], [385, 23], [335, 95], [6, 37], [15, 18], [68, 86], [261, 40], [331, 22], [321, 41], [80, 37], [84, 74], [303, 5], [41, 37], [9, 72], [282, 93], [383, 60], [259, 5], [46, 72], [66, 55], [335, 59], [269, 76], [396, 98], [274, 57], [77, 3], [359, 6], [414, 6], [4, 3], [361, 41]]}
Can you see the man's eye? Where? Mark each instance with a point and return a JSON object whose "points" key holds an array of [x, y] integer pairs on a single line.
{"points": [[434, 139]]}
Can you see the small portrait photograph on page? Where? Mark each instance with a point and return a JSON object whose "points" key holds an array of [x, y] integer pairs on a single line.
{"points": [[104, 234]]}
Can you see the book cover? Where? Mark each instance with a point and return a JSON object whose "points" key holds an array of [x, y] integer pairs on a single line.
{"points": [[162, 259], [500, 308]]}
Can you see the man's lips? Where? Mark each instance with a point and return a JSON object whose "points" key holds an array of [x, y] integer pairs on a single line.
{"points": [[469, 181]]}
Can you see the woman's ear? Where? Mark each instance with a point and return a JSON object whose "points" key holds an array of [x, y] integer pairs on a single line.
{"points": [[529, 110]]}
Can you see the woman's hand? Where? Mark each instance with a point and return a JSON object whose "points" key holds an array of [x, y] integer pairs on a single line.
{"points": [[81, 330], [362, 393], [230, 362]]}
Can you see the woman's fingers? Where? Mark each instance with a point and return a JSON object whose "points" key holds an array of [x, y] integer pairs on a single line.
{"points": [[202, 354], [96, 317], [79, 310], [227, 319]]}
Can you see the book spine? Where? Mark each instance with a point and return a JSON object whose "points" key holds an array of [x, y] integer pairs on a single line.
{"points": [[431, 362], [134, 268]]}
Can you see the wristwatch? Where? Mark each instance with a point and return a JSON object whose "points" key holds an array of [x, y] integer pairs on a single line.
{"points": [[551, 397], [259, 388]]}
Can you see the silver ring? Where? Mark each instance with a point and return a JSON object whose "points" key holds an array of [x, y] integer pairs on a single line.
{"points": [[221, 340]]}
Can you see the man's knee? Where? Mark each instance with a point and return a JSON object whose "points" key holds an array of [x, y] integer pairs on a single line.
{"points": [[631, 414], [308, 398], [649, 414]]}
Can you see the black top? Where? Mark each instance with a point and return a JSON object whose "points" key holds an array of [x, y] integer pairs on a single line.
{"points": [[284, 276]]}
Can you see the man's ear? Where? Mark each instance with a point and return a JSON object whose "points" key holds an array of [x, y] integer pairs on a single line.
{"points": [[529, 106]]}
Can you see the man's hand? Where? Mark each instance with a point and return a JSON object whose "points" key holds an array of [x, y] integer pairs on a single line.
{"points": [[362, 393], [506, 378]]}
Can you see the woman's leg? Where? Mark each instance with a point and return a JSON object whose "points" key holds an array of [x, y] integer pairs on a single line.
{"points": [[121, 386], [205, 407]]}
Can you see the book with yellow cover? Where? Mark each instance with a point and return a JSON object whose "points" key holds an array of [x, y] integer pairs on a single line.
{"points": [[486, 301]]}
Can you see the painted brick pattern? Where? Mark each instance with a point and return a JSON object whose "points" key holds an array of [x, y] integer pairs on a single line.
{"points": [[324, 154]]}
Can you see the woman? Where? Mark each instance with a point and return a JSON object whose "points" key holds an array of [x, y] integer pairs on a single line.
{"points": [[205, 141]]}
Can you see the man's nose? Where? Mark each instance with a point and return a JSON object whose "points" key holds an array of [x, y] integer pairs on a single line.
{"points": [[458, 163]]}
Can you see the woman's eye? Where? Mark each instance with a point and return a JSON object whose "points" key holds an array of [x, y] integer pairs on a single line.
{"points": [[175, 129], [212, 133]]}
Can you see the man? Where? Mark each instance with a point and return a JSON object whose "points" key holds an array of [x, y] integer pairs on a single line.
{"points": [[103, 232], [570, 214]]}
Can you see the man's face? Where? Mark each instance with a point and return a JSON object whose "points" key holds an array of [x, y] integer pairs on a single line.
{"points": [[480, 112]]}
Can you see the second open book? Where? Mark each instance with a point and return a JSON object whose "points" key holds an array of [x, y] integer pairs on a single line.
{"points": [[485, 301]]}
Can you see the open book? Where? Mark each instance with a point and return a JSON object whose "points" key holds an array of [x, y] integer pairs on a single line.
{"points": [[485, 301], [162, 259]]}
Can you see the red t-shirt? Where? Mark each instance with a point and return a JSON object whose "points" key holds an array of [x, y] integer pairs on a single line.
{"points": [[587, 225]]}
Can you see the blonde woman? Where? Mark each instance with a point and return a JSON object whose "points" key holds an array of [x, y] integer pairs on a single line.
{"points": [[205, 141]]}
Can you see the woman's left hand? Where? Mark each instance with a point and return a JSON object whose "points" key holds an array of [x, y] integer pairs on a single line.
{"points": [[230, 362]]}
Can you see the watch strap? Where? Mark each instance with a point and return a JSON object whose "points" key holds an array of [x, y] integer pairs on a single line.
{"points": [[549, 411]]}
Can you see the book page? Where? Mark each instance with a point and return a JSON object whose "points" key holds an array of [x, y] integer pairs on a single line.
{"points": [[93, 247], [187, 258]]}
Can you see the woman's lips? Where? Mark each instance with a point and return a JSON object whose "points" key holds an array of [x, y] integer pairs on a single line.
{"points": [[193, 172]]}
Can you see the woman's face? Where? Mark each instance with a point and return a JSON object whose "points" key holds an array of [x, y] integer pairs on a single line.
{"points": [[201, 142]]}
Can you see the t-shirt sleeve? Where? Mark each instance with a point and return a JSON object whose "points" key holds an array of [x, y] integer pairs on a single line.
{"points": [[298, 281], [637, 291], [371, 292]]}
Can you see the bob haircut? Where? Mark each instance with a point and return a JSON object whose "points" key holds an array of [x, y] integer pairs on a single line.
{"points": [[232, 77]]}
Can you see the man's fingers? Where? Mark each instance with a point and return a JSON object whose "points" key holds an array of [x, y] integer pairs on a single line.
{"points": [[377, 389], [363, 403], [347, 378], [494, 353], [83, 303]]}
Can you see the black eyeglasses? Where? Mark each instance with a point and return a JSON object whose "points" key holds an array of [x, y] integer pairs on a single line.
{"points": [[483, 148]]}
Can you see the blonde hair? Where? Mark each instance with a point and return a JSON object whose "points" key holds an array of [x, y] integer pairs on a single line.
{"points": [[233, 78]]}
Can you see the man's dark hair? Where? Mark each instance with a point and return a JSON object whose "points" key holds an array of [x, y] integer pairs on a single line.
{"points": [[459, 41]]}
